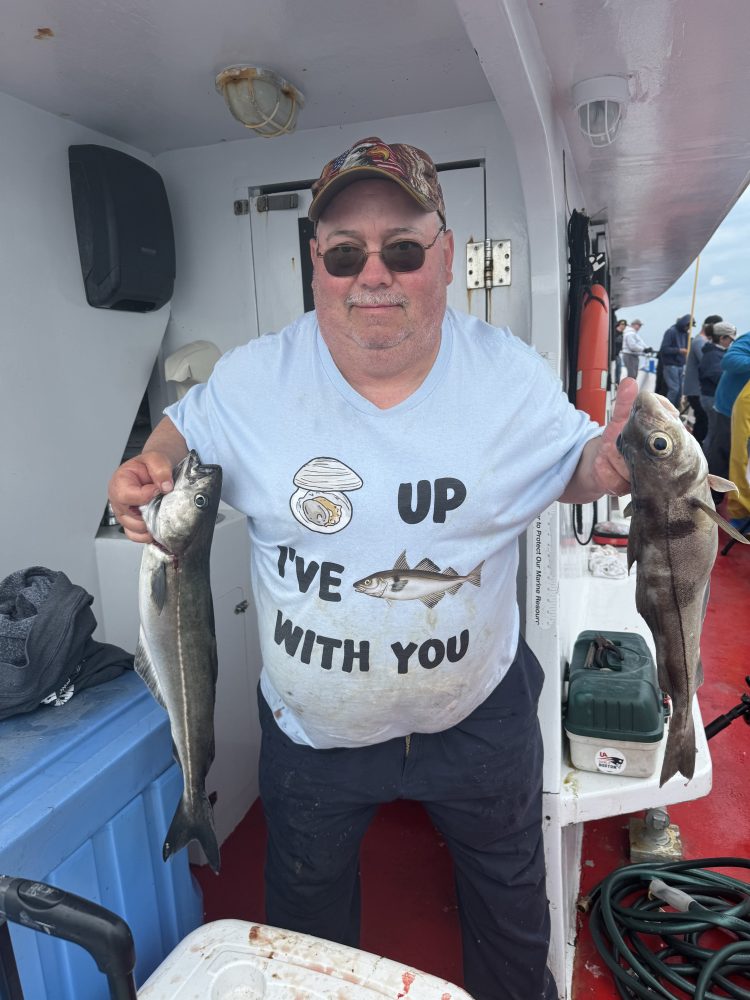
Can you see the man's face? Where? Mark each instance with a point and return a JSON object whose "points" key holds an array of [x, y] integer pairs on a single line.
{"points": [[380, 310]]}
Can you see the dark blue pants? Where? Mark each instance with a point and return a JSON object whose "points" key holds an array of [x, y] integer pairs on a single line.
{"points": [[481, 783]]}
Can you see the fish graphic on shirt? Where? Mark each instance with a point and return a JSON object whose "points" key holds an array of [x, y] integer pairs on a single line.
{"points": [[426, 582]]}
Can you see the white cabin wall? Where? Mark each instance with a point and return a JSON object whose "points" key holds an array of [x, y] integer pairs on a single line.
{"points": [[71, 377], [214, 298]]}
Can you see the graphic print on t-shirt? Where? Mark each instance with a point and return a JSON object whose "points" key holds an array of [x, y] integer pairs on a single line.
{"points": [[426, 582], [321, 503]]}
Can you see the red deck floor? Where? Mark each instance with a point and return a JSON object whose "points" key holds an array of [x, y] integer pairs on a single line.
{"points": [[409, 903]]}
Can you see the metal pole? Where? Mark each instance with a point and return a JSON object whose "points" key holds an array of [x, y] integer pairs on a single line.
{"points": [[695, 289]]}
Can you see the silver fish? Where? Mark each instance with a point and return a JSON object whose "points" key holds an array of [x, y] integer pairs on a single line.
{"points": [[673, 538], [425, 583], [176, 653]]}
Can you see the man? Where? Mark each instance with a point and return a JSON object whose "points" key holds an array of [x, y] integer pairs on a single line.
{"points": [[388, 453], [633, 347], [672, 355], [691, 383], [735, 371], [620, 327], [709, 372]]}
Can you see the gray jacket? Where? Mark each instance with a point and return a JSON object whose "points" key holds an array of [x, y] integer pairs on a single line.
{"points": [[691, 384]]}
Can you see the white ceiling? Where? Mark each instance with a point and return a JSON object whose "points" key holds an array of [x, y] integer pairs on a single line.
{"points": [[683, 154], [143, 72]]}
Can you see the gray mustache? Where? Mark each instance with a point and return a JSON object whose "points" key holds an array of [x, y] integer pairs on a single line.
{"points": [[376, 299]]}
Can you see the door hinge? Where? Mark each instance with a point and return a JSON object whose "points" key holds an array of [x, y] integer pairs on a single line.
{"points": [[276, 202], [488, 264]]}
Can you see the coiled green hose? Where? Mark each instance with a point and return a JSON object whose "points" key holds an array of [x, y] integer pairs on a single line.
{"points": [[651, 952]]}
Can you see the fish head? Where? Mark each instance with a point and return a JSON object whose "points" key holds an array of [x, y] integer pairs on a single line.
{"points": [[375, 586], [186, 516], [663, 458]]}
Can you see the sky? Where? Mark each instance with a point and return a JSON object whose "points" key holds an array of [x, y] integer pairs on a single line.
{"points": [[723, 285]]}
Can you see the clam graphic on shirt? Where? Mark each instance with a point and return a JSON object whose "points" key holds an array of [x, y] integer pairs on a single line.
{"points": [[426, 582], [321, 502]]}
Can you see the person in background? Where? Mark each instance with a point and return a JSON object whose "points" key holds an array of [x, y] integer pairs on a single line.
{"points": [[672, 355], [738, 504], [620, 327], [375, 685], [632, 348], [691, 388], [709, 372], [735, 371]]}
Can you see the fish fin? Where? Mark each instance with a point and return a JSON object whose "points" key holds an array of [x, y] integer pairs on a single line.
{"points": [[628, 512], [193, 821], [401, 562], [429, 565], [159, 587], [146, 670], [720, 485], [724, 525], [680, 750], [633, 536], [431, 599], [398, 584], [475, 576]]}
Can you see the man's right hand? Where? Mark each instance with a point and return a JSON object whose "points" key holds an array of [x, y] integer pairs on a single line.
{"points": [[136, 482]]}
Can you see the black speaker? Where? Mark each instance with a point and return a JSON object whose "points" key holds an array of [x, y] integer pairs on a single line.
{"points": [[124, 229]]}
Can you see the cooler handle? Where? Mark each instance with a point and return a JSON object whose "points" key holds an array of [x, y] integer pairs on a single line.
{"points": [[105, 936]]}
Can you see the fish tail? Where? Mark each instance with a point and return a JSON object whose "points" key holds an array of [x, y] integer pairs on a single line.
{"points": [[475, 576], [193, 820], [680, 751]]}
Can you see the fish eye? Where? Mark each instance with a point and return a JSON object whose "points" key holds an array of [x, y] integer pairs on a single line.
{"points": [[200, 501], [368, 581], [659, 444]]}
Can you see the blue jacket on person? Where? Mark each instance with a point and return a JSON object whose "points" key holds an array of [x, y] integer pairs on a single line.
{"points": [[674, 340], [735, 372]]}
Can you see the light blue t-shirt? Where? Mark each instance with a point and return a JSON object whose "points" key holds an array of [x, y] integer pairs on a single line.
{"points": [[384, 542]]}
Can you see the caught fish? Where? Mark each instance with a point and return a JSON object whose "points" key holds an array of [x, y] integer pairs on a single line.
{"points": [[425, 583], [176, 653], [673, 538]]}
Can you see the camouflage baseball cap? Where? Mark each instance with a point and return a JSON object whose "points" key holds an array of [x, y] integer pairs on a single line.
{"points": [[411, 168]]}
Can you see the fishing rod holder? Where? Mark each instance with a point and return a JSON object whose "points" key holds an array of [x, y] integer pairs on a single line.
{"points": [[741, 710]]}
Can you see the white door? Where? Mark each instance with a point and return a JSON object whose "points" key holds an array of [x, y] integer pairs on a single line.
{"points": [[281, 265]]}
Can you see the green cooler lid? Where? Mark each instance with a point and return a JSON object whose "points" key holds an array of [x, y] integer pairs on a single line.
{"points": [[613, 691]]}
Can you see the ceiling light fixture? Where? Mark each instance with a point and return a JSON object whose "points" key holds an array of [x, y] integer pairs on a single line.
{"points": [[260, 99], [600, 105]]}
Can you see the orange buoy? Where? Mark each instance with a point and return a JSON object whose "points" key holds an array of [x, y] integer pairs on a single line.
{"points": [[593, 354]]}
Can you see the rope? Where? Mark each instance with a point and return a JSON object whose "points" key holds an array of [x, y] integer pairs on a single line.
{"points": [[627, 918]]}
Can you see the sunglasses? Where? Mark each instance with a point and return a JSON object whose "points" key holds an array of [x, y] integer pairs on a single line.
{"points": [[346, 260]]}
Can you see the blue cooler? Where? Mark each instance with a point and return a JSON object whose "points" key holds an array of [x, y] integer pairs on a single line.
{"points": [[87, 792]]}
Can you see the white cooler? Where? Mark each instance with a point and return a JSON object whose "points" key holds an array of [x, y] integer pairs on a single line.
{"points": [[236, 960]]}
